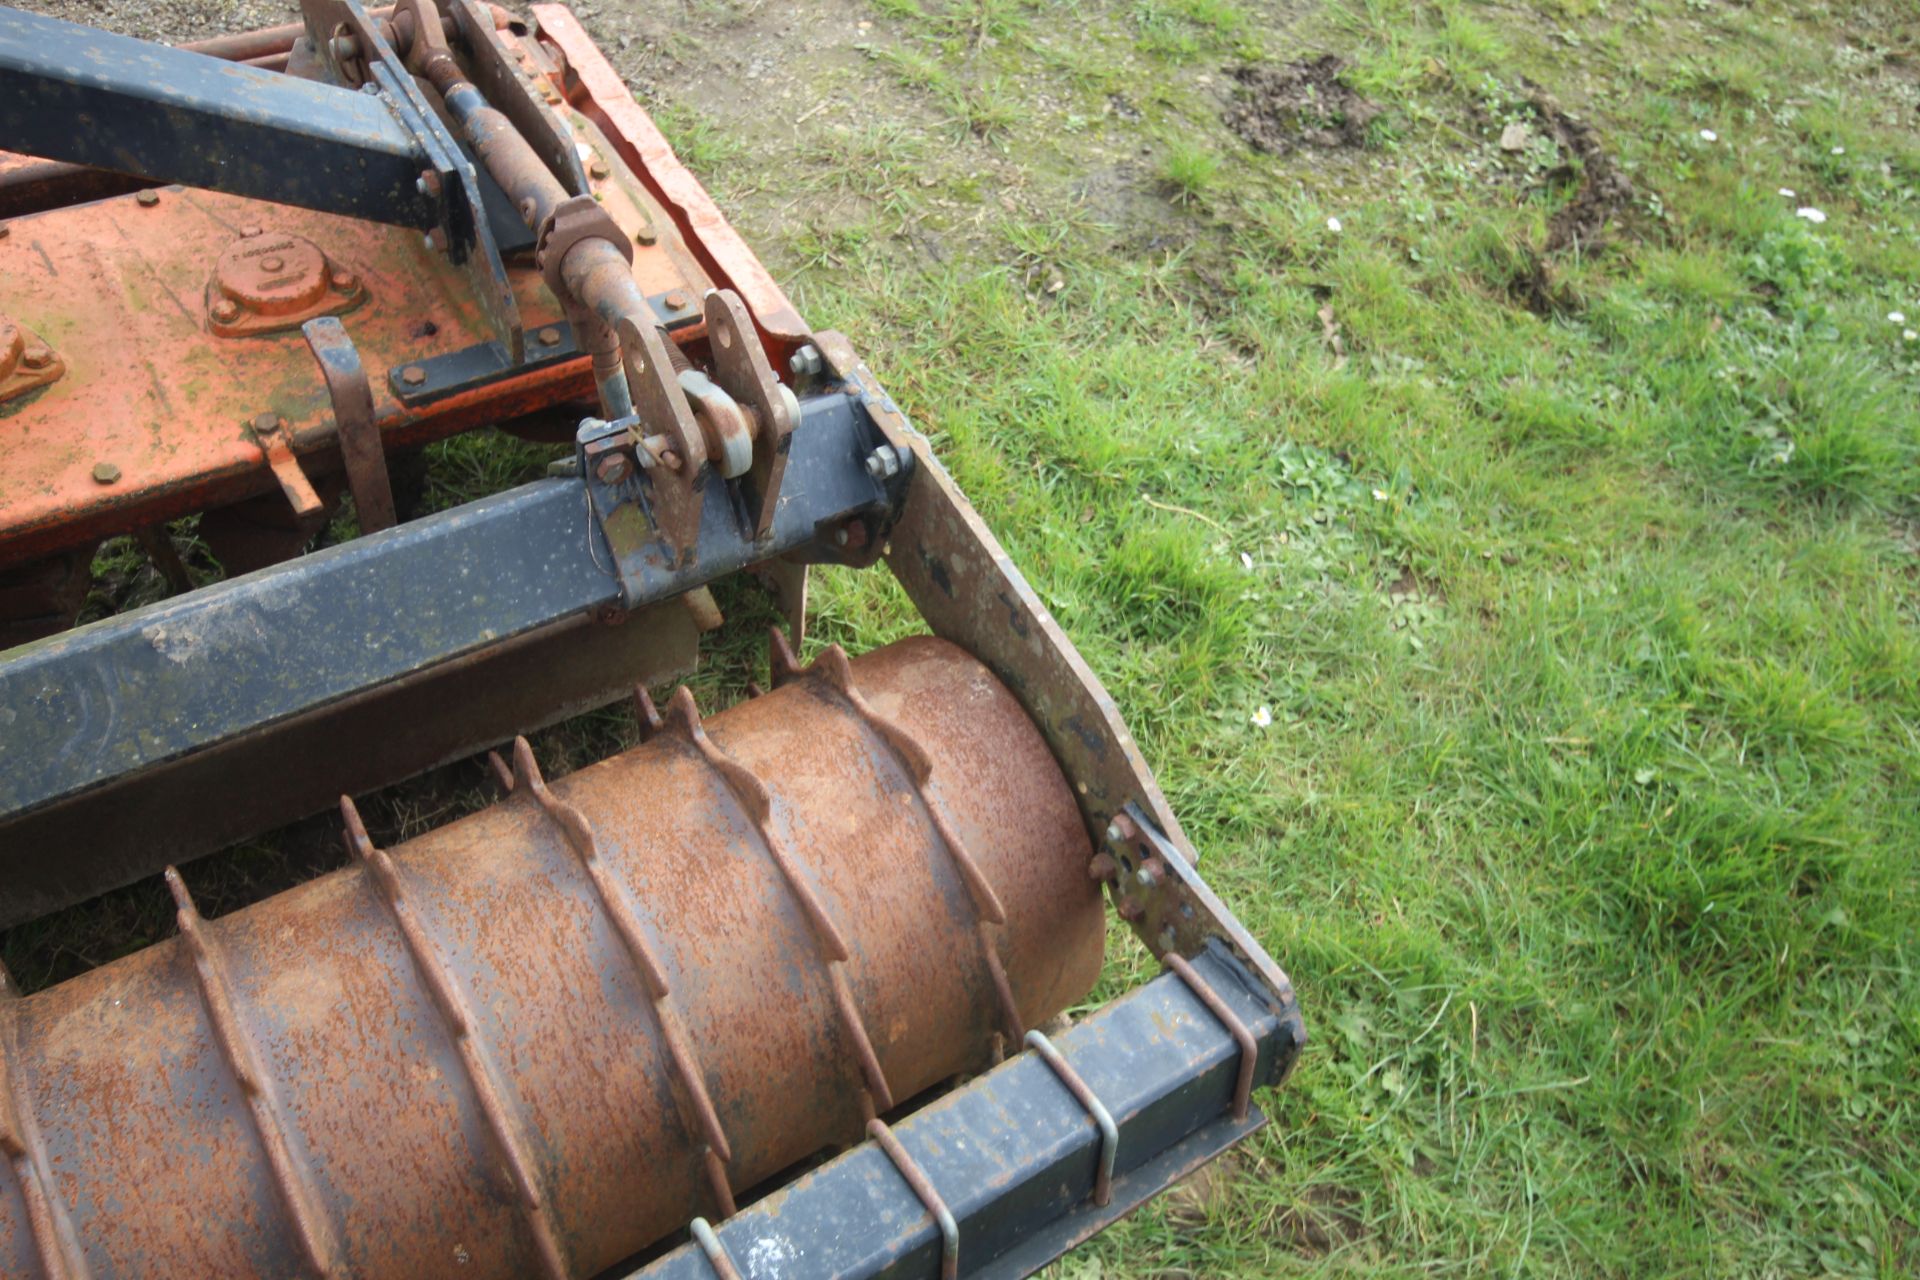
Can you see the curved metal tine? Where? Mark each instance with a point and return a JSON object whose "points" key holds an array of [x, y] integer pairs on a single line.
{"points": [[916, 1178], [1102, 1118], [1249, 1050], [716, 1252]]}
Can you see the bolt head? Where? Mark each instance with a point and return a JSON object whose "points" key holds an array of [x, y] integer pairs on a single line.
{"points": [[413, 375], [598, 168], [839, 537], [345, 281], [105, 473], [677, 300], [613, 468], [548, 337], [805, 362], [1113, 832], [226, 311], [147, 198], [37, 356], [433, 240]]}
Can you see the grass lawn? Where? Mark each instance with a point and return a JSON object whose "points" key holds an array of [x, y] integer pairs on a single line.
{"points": [[1524, 616], [1495, 506]]}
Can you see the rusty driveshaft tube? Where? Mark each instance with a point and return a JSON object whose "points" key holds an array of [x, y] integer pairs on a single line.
{"points": [[533, 1041]]}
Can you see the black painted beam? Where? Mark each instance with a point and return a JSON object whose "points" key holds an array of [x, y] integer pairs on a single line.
{"points": [[78, 94]]}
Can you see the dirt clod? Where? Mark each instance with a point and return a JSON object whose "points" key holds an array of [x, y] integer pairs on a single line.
{"points": [[1300, 104]]}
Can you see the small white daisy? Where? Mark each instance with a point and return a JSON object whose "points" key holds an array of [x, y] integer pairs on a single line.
{"points": [[1708, 135], [1896, 317], [1910, 335], [1788, 192], [1246, 562], [1839, 151], [1333, 224], [1379, 495], [1262, 717], [1810, 214]]}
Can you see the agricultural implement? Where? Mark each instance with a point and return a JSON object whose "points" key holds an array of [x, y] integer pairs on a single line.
{"points": [[775, 992]]}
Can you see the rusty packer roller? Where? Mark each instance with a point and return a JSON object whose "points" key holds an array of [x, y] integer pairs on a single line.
{"points": [[537, 1039]]}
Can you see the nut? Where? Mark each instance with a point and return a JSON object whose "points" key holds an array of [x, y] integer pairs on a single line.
{"points": [[548, 336], [613, 468], [105, 473], [345, 281], [677, 300], [435, 240], [805, 362], [597, 168], [226, 311], [38, 355], [884, 462], [413, 375], [147, 198]]}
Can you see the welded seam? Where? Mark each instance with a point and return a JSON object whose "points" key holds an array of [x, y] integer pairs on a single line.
{"points": [[481, 1077], [683, 720], [617, 902], [1249, 1048], [20, 1142], [318, 1242], [922, 1186], [990, 916]]}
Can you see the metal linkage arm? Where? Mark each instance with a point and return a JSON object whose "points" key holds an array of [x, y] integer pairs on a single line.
{"points": [[78, 94]]}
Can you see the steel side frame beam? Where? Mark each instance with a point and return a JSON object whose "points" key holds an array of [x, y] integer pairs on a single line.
{"points": [[77, 94], [1014, 1154]]}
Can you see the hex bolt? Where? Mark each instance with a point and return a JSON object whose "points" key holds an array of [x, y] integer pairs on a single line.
{"points": [[646, 235], [345, 281], [613, 468], [805, 362], [435, 240], [677, 300], [1130, 909], [1113, 832], [37, 356], [413, 375], [548, 336], [226, 311], [1146, 876], [147, 199], [428, 183], [597, 168], [884, 462], [105, 473]]}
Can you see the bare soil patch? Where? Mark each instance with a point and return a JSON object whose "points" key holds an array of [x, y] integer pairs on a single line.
{"points": [[1300, 104]]}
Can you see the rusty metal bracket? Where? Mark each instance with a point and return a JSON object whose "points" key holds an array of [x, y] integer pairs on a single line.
{"points": [[270, 433], [361, 448], [740, 367], [507, 86], [25, 361]]}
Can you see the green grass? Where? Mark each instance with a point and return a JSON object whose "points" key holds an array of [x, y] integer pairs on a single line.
{"points": [[1585, 617], [1587, 813]]}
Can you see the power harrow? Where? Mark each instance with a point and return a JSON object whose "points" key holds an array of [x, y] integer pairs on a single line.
{"points": [[767, 995]]}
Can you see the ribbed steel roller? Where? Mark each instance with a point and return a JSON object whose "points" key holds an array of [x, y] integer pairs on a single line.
{"points": [[538, 1039]]}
